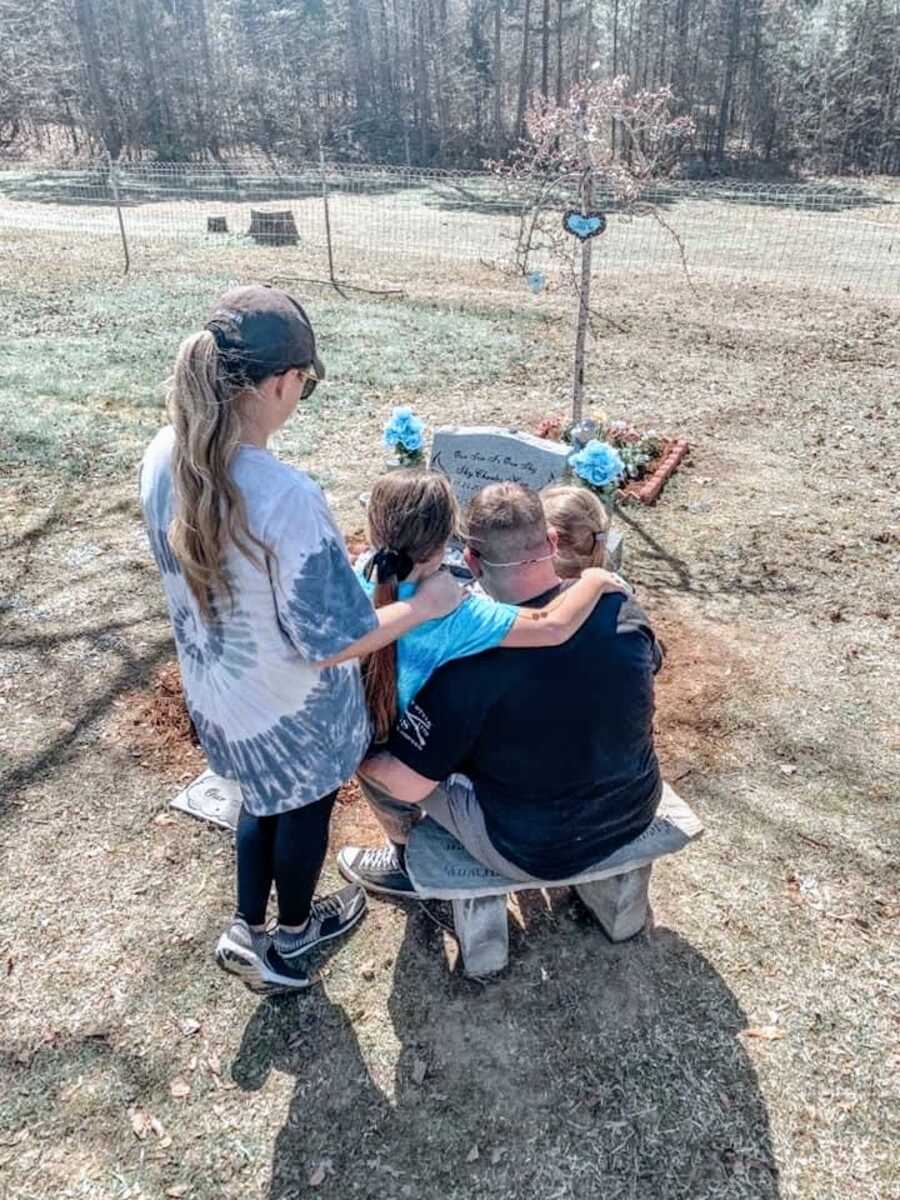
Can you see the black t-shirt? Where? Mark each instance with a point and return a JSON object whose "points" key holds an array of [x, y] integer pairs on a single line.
{"points": [[557, 741]]}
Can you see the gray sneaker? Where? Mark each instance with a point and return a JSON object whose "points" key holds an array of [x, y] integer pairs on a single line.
{"points": [[242, 952], [380, 871], [328, 918]]}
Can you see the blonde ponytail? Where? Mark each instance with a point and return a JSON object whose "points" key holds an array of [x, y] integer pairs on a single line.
{"points": [[208, 509], [578, 517]]}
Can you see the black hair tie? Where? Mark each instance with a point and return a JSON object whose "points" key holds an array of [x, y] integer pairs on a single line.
{"points": [[387, 564]]}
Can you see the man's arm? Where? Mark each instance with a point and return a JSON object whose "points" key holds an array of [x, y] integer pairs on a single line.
{"points": [[397, 779]]}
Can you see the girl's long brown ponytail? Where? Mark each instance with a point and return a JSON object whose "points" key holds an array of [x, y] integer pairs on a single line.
{"points": [[380, 672], [411, 516]]}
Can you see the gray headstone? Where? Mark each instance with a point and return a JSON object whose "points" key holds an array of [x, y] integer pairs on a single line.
{"points": [[211, 798], [472, 456]]}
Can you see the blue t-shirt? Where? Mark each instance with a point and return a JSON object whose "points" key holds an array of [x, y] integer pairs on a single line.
{"points": [[478, 624]]}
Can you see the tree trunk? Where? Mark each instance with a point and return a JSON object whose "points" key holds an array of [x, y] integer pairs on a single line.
{"points": [[615, 70], [731, 59], [421, 69], [498, 80], [559, 52], [545, 50], [524, 73], [361, 49], [107, 125]]}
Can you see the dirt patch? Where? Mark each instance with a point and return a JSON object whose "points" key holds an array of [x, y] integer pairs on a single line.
{"points": [[702, 671], [156, 728]]}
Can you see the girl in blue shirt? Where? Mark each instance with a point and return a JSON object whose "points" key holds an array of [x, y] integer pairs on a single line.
{"points": [[412, 515]]}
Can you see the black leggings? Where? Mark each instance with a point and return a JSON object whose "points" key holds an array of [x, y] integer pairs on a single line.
{"points": [[289, 849]]}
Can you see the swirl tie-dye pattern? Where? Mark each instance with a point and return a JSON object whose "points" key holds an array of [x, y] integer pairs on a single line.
{"points": [[288, 731]]}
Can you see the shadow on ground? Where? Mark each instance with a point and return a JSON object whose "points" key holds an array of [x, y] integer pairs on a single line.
{"points": [[588, 1069]]}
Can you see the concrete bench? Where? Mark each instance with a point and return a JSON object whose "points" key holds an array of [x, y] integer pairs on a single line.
{"points": [[615, 890]]}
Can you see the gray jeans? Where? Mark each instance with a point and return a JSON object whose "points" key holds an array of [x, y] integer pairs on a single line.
{"points": [[454, 805]]}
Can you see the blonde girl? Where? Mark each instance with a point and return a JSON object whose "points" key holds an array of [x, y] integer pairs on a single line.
{"points": [[582, 526], [267, 615]]}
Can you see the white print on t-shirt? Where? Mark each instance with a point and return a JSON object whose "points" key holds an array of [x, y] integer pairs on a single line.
{"points": [[415, 726]]}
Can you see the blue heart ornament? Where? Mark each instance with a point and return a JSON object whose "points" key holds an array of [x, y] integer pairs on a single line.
{"points": [[584, 225]]}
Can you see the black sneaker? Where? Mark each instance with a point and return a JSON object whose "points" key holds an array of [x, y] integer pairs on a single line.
{"points": [[379, 871], [328, 918]]}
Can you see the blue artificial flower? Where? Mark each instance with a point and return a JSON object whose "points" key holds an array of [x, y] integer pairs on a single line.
{"points": [[598, 464], [404, 429]]}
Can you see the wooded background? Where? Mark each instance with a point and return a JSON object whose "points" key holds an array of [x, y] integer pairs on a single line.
{"points": [[772, 85]]}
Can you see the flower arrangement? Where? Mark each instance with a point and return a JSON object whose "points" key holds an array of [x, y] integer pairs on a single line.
{"points": [[598, 466], [636, 449], [404, 434]]}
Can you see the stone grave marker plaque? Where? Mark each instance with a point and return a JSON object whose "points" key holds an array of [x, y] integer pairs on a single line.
{"points": [[211, 798], [475, 455]]}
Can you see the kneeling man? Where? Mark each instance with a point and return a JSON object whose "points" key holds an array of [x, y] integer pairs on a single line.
{"points": [[541, 762]]}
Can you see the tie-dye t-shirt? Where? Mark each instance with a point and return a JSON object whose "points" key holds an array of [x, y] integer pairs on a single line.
{"points": [[289, 733], [478, 624]]}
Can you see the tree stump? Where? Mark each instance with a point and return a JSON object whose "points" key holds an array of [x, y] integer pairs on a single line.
{"points": [[216, 225], [273, 228]]}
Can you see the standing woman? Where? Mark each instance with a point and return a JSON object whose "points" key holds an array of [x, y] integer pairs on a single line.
{"points": [[268, 618]]}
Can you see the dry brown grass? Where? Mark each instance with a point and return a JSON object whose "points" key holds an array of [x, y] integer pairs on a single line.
{"points": [[131, 1068]]}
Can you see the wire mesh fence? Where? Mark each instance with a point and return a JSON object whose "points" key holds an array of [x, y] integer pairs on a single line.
{"points": [[396, 218]]}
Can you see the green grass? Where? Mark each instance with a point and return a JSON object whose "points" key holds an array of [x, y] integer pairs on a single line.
{"points": [[82, 378]]}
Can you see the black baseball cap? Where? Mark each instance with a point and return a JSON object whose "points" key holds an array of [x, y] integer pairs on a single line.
{"points": [[261, 331]]}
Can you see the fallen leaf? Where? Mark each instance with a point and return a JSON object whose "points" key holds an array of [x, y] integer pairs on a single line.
{"points": [[189, 1027], [178, 1189], [97, 1034], [179, 1088], [474, 1154], [769, 1033], [419, 1071], [317, 1176], [140, 1122]]}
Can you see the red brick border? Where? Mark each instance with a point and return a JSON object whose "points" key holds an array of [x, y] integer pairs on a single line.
{"points": [[646, 491]]}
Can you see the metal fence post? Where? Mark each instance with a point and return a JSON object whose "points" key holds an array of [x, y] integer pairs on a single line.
{"points": [[114, 185], [334, 282]]}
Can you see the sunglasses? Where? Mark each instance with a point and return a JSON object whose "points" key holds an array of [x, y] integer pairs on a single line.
{"points": [[310, 383]]}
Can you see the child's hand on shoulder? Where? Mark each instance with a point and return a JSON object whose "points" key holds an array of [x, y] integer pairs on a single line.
{"points": [[609, 580]]}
